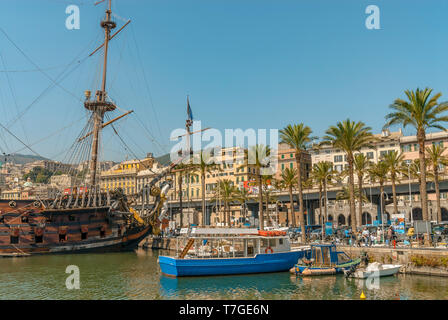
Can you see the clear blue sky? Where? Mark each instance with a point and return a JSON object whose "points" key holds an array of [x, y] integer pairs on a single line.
{"points": [[244, 63]]}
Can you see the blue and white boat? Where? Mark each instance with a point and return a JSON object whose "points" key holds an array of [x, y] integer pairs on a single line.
{"points": [[223, 251]]}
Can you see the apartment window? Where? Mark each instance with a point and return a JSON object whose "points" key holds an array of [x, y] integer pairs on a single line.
{"points": [[338, 168], [291, 165], [291, 155], [283, 166], [369, 155], [338, 158], [416, 147], [283, 156]]}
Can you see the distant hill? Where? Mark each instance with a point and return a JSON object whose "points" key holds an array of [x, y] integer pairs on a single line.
{"points": [[21, 158]]}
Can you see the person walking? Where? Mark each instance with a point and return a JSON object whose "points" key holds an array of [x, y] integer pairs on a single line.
{"points": [[389, 236]]}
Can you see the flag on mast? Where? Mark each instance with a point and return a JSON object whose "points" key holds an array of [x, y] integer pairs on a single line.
{"points": [[189, 112]]}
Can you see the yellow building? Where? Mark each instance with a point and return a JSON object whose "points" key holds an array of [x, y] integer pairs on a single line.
{"points": [[124, 175]]}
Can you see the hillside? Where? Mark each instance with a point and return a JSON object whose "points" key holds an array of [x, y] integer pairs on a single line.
{"points": [[21, 158]]}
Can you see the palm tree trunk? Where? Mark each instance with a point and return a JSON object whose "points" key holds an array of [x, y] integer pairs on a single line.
{"points": [[267, 205], [352, 191], [321, 214], [301, 213], [260, 202], [421, 154], [291, 203], [394, 194], [326, 204], [381, 202], [203, 198], [358, 220], [436, 183]]}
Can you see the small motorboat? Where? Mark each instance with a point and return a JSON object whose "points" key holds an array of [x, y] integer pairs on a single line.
{"points": [[324, 259], [374, 269]]}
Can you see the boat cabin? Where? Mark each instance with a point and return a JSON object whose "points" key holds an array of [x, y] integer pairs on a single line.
{"points": [[230, 243], [325, 255]]}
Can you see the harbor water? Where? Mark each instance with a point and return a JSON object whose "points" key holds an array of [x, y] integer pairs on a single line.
{"points": [[136, 275]]}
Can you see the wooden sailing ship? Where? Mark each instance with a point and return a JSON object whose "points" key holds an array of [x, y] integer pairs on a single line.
{"points": [[86, 219]]}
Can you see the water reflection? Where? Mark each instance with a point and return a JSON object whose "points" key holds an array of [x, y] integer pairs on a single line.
{"points": [[136, 275]]}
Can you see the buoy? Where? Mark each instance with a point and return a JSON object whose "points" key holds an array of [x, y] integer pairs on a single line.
{"points": [[363, 296]]}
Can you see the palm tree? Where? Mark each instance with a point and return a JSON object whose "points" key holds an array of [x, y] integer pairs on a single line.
{"points": [[298, 137], [242, 195], [394, 160], [349, 136], [422, 112], [258, 156], [323, 173], [225, 191], [344, 194], [182, 171], [362, 165], [437, 159], [289, 180], [203, 163], [379, 173]]}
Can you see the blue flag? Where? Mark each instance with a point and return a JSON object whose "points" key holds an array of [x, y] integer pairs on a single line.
{"points": [[189, 112]]}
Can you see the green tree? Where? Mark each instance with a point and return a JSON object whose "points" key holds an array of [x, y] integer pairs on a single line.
{"points": [[323, 174], [349, 136], [298, 137], [422, 112], [394, 162], [203, 163], [288, 181], [259, 157], [379, 173], [225, 191], [362, 165], [436, 159]]}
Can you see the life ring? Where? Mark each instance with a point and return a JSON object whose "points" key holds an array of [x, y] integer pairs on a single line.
{"points": [[268, 249], [12, 204], [215, 252]]}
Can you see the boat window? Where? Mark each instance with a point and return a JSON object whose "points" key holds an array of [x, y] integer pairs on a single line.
{"points": [[14, 239], [272, 242], [38, 239], [264, 242], [84, 232], [24, 219], [71, 217], [62, 234], [102, 231], [280, 241], [326, 255], [317, 255]]}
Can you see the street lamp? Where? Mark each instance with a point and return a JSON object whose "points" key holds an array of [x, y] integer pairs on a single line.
{"points": [[382, 214], [410, 194]]}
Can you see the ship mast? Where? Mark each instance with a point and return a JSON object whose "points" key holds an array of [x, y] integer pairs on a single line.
{"points": [[99, 106]]}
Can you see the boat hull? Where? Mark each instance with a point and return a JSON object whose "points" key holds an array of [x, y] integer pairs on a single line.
{"points": [[261, 263], [388, 270], [327, 270]]}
